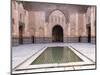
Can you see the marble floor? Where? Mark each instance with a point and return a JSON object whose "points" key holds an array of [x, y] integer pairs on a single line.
{"points": [[23, 52]]}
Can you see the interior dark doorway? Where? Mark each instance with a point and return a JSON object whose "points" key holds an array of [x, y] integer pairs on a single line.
{"points": [[57, 34], [32, 39], [21, 34], [89, 33], [79, 39]]}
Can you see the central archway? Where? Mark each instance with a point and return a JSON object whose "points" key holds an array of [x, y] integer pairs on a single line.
{"points": [[57, 34]]}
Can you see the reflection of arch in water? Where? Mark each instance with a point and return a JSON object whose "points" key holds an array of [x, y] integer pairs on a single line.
{"points": [[57, 54]]}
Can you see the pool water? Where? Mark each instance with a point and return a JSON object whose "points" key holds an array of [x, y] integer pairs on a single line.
{"points": [[56, 55]]}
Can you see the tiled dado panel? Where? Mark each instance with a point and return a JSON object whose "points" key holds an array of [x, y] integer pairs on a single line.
{"points": [[43, 40], [15, 41], [93, 40], [28, 40]]}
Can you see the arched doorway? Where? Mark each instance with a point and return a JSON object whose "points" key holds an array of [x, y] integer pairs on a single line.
{"points": [[89, 33], [21, 34], [32, 39], [79, 39], [57, 34]]}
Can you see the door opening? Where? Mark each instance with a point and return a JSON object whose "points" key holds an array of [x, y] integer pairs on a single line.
{"points": [[57, 34]]}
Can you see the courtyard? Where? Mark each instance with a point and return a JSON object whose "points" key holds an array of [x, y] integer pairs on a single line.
{"points": [[29, 51], [49, 37]]}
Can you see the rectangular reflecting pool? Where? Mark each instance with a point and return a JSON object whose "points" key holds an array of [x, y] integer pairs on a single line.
{"points": [[56, 55]]}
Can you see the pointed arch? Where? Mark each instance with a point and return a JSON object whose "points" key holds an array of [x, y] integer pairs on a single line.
{"points": [[57, 34]]}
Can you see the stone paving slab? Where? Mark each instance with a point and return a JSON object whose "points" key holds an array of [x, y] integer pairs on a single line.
{"points": [[22, 52], [85, 48]]}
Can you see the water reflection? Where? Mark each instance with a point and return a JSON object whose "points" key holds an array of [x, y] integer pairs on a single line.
{"points": [[57, 55]]}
